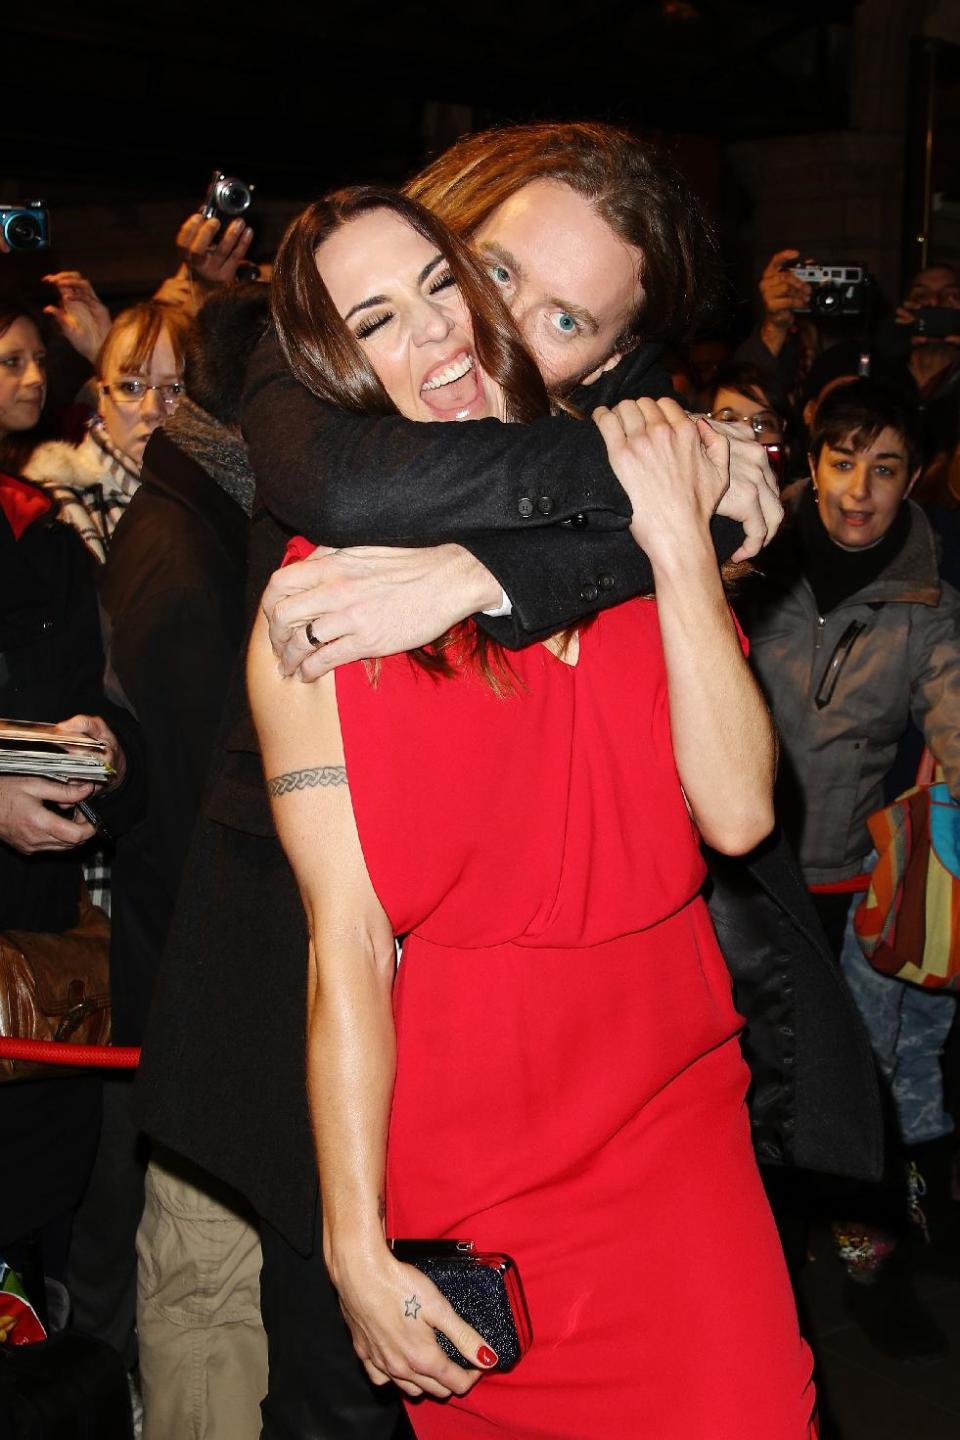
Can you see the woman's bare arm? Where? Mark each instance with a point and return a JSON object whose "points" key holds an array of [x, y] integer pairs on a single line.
{"points": [[391, 1309], [673, 468]]}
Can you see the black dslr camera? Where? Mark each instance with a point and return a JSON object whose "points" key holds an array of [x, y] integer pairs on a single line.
{"points": [[226, 198], [26, 226], [834, 289]]}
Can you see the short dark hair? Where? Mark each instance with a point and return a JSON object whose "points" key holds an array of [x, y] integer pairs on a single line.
{"points": [[222, 339], [860, 410], [639, 193], [762, 386]]}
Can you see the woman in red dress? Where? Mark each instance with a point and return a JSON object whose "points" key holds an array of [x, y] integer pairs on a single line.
{"points": [[554, 1069]]}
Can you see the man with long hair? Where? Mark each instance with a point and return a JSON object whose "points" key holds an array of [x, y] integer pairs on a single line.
{"points": [[603, 254]]}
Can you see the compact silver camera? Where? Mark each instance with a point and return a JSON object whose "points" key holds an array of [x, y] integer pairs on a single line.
{"points": [[226, 197], [26, 226], [834, 289]]}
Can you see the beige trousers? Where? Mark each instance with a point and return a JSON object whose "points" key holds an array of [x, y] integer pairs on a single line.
{"points": [[203, 1351]]}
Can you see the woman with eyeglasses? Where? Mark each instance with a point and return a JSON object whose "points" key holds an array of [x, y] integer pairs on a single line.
{"points": [[744, 392], [139, 379]]}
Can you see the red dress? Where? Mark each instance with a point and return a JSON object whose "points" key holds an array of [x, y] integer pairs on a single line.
{"points": [[569, 1085]]}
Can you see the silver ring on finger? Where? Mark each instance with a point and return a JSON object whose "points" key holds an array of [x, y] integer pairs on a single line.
{"points": [[308, 631]]}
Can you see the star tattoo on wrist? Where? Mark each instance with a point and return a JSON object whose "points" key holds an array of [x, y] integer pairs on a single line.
{"points": [[412, 1307]]}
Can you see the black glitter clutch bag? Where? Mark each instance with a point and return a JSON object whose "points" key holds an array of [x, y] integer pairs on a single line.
{"points": [[483, 1288]]}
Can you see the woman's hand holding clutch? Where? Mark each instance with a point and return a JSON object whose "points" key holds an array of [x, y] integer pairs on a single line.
{"points": [[392, 1311]]}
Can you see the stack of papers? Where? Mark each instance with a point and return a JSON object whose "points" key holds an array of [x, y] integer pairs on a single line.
{"points": [[33, 747]]}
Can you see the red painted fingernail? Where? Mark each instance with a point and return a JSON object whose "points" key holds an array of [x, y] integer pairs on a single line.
{"points": [[487, 1357]]}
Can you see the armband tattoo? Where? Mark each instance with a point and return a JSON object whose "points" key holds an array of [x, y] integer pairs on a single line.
{"points": [[306, 779]]}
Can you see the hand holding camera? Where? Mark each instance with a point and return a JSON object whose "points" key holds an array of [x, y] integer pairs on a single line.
{"points": [[213, 260], [930, 324], [782, 294], [210, 259]]}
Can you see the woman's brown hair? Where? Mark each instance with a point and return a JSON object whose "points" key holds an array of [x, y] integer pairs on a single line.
{"points": [[327, 358]]}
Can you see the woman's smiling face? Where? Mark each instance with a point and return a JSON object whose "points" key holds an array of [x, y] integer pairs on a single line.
{"points": [[399, 298], [860, 488]]}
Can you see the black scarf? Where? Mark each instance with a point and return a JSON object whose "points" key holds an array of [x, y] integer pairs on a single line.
{"points": [[834, 573]]}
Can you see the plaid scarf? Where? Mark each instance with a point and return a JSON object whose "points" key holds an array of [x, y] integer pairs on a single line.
{"points": [[94, 509]]}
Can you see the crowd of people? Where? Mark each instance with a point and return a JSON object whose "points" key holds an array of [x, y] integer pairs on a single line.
{"points": [[487, 808]]}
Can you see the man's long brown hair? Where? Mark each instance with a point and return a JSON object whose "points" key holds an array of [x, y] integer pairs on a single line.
{"points": [[327, 358], [641, 195]]}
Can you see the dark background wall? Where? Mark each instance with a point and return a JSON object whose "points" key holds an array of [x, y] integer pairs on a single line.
{"points": [[797, 122]]}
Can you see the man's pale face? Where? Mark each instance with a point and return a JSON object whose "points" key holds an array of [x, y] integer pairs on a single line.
{"points": [[571, 283]]}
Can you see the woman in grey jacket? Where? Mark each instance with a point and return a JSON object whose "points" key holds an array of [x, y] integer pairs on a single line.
{"points": [[854, 634]]}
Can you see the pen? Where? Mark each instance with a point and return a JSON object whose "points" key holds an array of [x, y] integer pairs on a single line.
{"points": [[91, 816]]}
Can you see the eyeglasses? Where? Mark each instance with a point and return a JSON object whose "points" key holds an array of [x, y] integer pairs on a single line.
{"points": [[134, 392], [763, 422]]}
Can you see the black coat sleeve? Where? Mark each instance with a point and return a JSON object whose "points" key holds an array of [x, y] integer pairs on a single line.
{"points": [[537, 504], [556, 577], [83, 676], [347, 479], [178, 632]]}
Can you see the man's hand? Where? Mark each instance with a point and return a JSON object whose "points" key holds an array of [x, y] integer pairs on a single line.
{"points": [[753, 496], [210, 260], [94, 728], [368, 601], [81, 315], [28, 826], [782, 293]]}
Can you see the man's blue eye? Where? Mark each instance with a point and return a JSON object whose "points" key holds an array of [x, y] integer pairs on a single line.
{"points": [[565, 323]]}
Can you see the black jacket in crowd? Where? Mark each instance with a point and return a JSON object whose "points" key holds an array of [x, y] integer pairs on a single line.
{"points": [[51, 667], [172, 594], [223, 1077]]}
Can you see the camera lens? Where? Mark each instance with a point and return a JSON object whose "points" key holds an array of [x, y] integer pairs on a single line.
{"points": [[233, 197], [825, 300], [23, 232]]}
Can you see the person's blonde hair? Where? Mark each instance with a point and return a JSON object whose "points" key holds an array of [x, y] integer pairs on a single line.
{"points": [[138, 330]]}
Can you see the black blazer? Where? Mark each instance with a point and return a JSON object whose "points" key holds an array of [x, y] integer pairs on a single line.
{"points": [[172, 592], [222, 1078]]}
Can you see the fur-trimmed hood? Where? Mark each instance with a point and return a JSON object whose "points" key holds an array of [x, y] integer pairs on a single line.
{"points": [[59, 463]]}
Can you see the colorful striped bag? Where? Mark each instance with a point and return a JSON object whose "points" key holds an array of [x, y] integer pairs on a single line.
{"points": [[908, 923]]}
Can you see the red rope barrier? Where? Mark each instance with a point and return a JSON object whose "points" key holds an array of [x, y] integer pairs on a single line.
{"points": [[854, 886], [50, 1052], [120, 1057]]}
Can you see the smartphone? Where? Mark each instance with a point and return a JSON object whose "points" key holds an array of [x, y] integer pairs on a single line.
{"points": [[936, 321]]}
